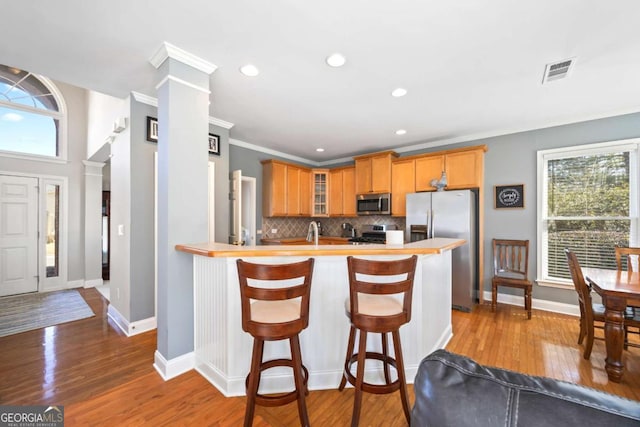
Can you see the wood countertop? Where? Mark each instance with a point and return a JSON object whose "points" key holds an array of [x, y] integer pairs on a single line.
{"points": [[223, 250]]}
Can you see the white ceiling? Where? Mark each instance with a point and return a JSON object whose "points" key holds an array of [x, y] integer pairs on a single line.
{"points": [[473, 68]]}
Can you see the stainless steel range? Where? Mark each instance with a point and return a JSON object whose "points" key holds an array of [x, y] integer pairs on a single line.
{"points": [[373, 234]]}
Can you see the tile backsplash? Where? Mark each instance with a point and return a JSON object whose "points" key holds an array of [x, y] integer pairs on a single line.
{"points": [[297, 227]]}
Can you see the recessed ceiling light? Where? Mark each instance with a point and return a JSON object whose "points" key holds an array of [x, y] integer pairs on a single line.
{"points": [[319, 150], [399, 92], [336, 60], [249, 70], [401, 132]]}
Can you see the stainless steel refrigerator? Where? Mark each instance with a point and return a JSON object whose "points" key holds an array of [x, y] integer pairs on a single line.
{"points": [[450, 214]]}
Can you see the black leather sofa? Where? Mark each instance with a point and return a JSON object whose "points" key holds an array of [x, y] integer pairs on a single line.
{"points": [[453, 390]]}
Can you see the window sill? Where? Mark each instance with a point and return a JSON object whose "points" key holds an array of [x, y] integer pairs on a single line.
{"points": [[555, 284], [36, 158]]}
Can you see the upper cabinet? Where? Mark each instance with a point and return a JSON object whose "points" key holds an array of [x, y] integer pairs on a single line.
{"points": [[305, 192], [274, 188], [342, 191], [286, 189], [403, 180], [427, 169], [464, 169], [294, 190], [373, 172], [320, 197]]}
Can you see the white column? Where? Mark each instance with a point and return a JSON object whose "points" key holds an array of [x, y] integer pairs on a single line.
{"points": [[183, 120]]}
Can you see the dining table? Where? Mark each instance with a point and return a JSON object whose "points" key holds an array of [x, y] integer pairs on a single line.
{"points": [[618, 289]]}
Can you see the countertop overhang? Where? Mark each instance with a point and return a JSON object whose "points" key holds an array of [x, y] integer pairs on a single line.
{"points": [[222, 250]]}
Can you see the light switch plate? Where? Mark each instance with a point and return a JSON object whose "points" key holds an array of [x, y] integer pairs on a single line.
{"points": [[120, 229]]}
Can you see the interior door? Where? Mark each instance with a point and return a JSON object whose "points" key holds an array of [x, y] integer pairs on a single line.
{"points": [[235, 237], [18, 235]]}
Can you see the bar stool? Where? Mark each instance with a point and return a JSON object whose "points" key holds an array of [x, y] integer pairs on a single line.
{"points": [[371, 308], [276, 313]]}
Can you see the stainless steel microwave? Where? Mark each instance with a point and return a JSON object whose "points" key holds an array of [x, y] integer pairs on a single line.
{"points": [[373, 204]]}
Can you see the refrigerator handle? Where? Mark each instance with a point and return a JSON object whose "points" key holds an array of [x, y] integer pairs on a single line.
{"points": [[433, 224], [428, 225]]}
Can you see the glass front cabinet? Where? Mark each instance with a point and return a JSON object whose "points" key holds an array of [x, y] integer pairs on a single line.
{"points": [[320, 195]]}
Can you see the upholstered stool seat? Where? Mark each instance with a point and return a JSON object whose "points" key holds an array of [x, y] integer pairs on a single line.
{"points": [[275, 311], [375, 305], [372, 308], [271, 313]]}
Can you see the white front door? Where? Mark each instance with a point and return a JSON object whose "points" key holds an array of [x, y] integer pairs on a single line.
{"points": [[18, 235]]}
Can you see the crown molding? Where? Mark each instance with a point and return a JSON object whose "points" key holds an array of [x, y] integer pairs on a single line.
{"points": [[271, 152], [182, 82], [221, 123], [167, 50], [150, 100], [145, 99], [92, 164]]}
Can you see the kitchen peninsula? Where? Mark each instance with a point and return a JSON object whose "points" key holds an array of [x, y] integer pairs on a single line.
{"points": [[223, 349]]}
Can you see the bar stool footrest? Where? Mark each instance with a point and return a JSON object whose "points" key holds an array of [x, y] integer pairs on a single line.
{"points": [[280, 398], [368, 387]]}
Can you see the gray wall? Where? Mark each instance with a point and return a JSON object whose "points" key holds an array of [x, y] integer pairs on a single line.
{"points": [[131, 172], [76, 102], [510, 159], [142, 212], [222, 182]]}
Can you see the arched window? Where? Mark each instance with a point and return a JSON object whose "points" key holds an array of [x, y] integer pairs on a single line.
{"points": [[32, 115]]}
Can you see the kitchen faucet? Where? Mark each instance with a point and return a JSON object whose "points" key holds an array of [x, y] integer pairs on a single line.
{"points": [[313, 231]]}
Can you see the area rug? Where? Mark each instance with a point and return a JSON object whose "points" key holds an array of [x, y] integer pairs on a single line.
{"points": [[21, 313]]}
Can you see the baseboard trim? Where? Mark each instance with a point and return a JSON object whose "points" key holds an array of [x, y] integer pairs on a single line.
{"points": [[538, 304], [131, 328], [93, 283], [73, 284], [172, 368]]}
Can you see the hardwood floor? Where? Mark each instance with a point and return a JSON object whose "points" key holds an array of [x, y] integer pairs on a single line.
{"points": [[104, 378]]}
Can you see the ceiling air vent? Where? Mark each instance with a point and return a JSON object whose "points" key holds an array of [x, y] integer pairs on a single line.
{"points": [[558, 70]]}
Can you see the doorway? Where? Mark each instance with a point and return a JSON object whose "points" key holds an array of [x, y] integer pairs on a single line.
{"points": [[32, 206]]}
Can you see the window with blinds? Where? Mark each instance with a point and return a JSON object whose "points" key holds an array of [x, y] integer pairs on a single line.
{"points": [[588, 204]]}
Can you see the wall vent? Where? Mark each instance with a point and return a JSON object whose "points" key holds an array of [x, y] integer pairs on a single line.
{"points": [[558, 70]]}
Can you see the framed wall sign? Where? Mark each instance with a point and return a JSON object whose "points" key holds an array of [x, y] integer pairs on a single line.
{"points": [[508, 196], [152, 129], [214, 144]]}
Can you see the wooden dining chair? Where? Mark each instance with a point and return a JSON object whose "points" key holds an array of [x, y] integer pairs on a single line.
{"points": [[511, 268], [626, 258], [591, 314]]}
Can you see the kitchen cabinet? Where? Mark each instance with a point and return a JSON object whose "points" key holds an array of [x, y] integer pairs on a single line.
{"points": [[428, 168], [274, 188], [373, 172], [403, 181], [342, 191], [349, 191], [464, 169], [304, 207], [286, 189], [298, 191], [320, 195]]}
